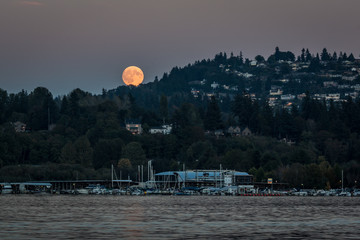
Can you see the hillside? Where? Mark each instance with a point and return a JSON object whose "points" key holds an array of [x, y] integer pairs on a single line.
{"points": [[295, 119]]}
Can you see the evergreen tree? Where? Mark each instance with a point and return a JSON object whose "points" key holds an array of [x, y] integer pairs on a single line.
{"points": [[344, 57], [3, 105], [64, 109], [277, 54], [314, 65], [242, 108], [351, 58], [325, 56], [135, 153], [74, 98], [334, 57], [212, 119], [308, 55], [340, 59], [42, 109], [306, 106], [259, 58], [302, 57], [164, 108], [135, 111], [241, 59], [84, 151], [107, 152]]}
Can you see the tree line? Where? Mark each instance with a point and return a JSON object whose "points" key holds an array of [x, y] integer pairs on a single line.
{"points": [[81, 135]]}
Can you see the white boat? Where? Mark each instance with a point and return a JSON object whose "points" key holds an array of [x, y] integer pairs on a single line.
{"points": [[98, 190], [6, 189], [344, 194], [83, 191], [301, 193]]}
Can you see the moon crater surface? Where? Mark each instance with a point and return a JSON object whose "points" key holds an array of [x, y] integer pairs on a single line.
{"points": [[133, 76]]}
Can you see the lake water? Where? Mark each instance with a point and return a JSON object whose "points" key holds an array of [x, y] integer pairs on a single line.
{"points": [[178, 217]]}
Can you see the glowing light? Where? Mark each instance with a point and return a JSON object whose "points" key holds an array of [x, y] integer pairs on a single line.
{"points": [[133, 76]]}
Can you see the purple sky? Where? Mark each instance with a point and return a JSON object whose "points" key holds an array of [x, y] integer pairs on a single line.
{"points": [[65, 44]]}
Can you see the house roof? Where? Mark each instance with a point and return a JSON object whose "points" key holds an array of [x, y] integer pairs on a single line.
{"points": [[193, 175]]}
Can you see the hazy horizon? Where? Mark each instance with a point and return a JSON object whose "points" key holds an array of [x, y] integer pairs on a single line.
{"points": [[63, 45]]}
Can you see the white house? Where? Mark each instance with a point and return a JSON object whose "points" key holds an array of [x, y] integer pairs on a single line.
{"points": [[275, 92], [234, 131], [164, 129], [330, 84], [246, 75], [214, 85], [333, 96], [287, 97], [349, 78], [253, 63]]}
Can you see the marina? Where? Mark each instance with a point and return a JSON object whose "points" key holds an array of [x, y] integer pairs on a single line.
{"points": [[187, 182], [137, 190]]}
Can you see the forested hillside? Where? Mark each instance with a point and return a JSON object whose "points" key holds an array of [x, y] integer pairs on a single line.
{"points": [[304, 141]]}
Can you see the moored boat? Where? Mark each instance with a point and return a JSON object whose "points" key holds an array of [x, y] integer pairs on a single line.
{"points": [[6, 188]]}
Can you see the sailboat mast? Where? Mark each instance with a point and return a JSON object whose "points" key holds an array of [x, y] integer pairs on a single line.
{"points": [[342, 180], [142, 173], [184, 175], [220, 183], [112, 176]]}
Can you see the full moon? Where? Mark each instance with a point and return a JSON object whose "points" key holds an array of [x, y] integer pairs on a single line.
{"points": [[133, 76]]}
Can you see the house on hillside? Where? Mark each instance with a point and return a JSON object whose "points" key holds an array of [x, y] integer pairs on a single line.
{"points": [[253, 63], [164, 129], [134, 126], [356, 87], [19, 126], [329, 84], [301, 96], [353, 95], [195, 92], [234, 131], [349, 77], [246, 132], [219, 133], [276, 92], [288, 141], [246, 75], [333, 96], [287, 97], [214, 85]]}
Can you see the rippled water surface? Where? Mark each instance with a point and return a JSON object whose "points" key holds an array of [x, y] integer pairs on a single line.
{"points": [[178, 217]]}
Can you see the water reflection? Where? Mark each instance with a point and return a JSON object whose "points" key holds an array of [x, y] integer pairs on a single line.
{"points": [[174, 217]]}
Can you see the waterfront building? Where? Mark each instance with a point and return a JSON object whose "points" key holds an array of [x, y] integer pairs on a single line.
{"points": [[203, 178]]}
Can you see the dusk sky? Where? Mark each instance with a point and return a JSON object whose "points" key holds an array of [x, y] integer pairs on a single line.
{"points": [[68, 44]]}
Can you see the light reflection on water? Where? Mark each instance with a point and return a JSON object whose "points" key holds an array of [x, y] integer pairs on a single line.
{"points": [[177, 217]]}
